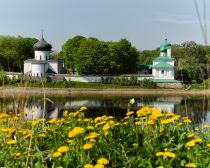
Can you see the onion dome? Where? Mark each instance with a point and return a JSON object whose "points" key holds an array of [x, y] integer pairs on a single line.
{"points": [[165, 46], [42, 45]]}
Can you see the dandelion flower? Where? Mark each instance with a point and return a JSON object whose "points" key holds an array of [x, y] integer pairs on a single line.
{"points": [[190, 144], [57, 154], [135, 145], [208, 145], [190, 135], [159, 154], [103, 161], [190, 165], [87, 146], [42, 136], [63, 149], [99, 166], [129, 113], [88, 166], [169, 154], [12, 142], [106, 127], [83, 108]]}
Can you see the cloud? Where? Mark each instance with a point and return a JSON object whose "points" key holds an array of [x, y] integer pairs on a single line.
{"points": [[180, 19]]}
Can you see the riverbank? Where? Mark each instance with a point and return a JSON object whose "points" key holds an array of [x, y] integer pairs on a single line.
{"points": [[21, 91]]}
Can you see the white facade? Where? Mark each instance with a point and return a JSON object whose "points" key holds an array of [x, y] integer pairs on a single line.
{"points": [[42, 55], [38, 69], [163, 66]]}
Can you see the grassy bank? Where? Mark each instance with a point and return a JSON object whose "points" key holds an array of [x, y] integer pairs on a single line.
{"points": [[146, 138]]}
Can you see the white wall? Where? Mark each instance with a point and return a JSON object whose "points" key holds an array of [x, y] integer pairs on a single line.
{"points": [[169, 52], [38, 69], [42, 55], [53, 66], [27, 67], [168, 73]]}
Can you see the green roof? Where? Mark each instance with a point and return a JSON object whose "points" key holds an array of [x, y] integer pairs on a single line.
{"points": [[166, 81], [165, 46], [162, 65], [145, 67], [164, 58]]}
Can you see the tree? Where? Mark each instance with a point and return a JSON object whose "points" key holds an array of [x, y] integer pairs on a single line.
{"points": [[14, 50], [91, 56], [70, 51]]}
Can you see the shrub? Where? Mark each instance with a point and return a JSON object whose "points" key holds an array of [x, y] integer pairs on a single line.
{"points": [[147, 83]]}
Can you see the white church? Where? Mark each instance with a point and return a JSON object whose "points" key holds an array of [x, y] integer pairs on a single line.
{"points": [[163, 68], [41, 64]]}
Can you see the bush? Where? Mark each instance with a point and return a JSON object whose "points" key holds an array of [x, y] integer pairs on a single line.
{"points": [[147, 84]]}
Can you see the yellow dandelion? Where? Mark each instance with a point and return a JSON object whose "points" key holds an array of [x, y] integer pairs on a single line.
{"points": [[190, 144], [187, 120], [42, 136], [90, 127], [79, 130], [106, 127], [57, 154], [65, 113], [169, 154], [63, 149], [87, 146], [12, 142], [53, 121], [83, 108], [129, 113], [99, 166], [72, 134], [208, 145], [190, 165], [135, 145], [190, 135], [159, 154], [88, 166], [137, 123], [197, 140], [18, 154], [103, 161]]}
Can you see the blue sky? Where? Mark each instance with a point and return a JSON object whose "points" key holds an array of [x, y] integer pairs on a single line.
{"points": [[144, 23]]}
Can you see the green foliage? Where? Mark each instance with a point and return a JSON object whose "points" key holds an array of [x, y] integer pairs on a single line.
{"points": [[147, 84], [91, 56], [13, 51]]}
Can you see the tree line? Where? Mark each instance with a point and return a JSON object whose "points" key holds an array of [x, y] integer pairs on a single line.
{"points": [[91, 56], [13, 52]]}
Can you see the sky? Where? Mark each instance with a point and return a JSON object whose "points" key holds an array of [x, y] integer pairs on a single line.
{"points": [[145, 23]]}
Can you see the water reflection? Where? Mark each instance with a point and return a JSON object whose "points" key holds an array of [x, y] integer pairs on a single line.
{"points": [[196, 107]]}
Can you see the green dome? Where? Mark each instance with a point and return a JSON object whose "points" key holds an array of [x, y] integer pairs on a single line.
{"points": [[165, 46]]}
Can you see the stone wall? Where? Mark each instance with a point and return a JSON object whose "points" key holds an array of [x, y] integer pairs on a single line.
{"points": [[177, 85]]}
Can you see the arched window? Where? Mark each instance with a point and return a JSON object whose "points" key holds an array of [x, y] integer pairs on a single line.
{"points": [[40, 57], [162, 72], [46, 57], [37, 74]]}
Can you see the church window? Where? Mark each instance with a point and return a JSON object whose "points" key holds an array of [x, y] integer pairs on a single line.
{"points": [[162, 72], [37, 74], [40, 57], [41, 74]]}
